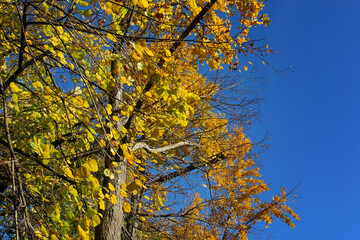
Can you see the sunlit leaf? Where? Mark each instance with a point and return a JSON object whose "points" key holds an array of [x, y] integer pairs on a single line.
{"points": [[126, 207]]}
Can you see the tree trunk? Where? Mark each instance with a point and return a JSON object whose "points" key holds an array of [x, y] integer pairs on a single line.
{"points": [[113, 219], [113, 216]]}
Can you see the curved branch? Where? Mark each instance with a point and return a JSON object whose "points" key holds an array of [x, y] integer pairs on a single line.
{"points": [[142, 145]]}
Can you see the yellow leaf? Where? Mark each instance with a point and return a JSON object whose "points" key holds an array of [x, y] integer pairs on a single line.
{"points": [[158, 132], [102, 204], [123, 80], [48, 90], [126, 207], [123, 193], [81, 231], [102, 143], [148, 94], [149, 52], [93, 165], [167, 53], [108, 109], [245, 68], [192, 3], [113, 199], [130, 159], [117, 69], [73, 191], [115, 164], [138, 182], [37, 85], [43, 230], [141, 45], [57, 212], [53, 237], [14, 88], [111, 37], [68, 172], [135, 1], [15, 98], [111, 187], [136, 56], [144, 3], [84, 171], [46, 152], [108, 8]]}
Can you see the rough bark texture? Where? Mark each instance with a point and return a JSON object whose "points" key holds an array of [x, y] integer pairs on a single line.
{"points": [[112, 223], [132, 221]]}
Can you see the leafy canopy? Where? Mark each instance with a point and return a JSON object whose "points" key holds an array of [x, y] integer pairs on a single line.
{"points": [[105, 104]]}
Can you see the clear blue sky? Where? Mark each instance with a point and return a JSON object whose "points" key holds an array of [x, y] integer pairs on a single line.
{"points": [[313, 115]]}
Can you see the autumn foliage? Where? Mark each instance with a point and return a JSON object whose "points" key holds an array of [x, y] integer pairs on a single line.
{"points": [[111, 130]]}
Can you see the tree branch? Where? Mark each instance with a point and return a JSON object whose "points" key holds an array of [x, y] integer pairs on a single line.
{"points": [[14, 167], [185, 170], [142, 145], [21, 68]]}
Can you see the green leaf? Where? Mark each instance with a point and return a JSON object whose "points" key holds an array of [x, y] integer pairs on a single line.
{"points": [[95, 220], [91, 212], [15, 98], [156, 78], [83, 3]]}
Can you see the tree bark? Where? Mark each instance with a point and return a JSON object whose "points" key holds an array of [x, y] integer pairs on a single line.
{"points": [[113, 215]]}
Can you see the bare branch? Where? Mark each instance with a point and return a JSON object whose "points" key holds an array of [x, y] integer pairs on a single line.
{"points": [[142, 145], [189, 168]]}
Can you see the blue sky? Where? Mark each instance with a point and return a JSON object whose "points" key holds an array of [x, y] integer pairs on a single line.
{"points": [[312, 115]]}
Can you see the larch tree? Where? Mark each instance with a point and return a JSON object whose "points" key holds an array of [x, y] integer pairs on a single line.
{"points": [[111, 130]]}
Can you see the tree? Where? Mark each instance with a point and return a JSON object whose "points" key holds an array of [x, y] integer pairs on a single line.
{"points": [[109, 125]]}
